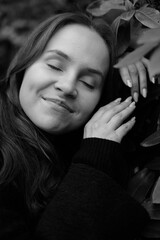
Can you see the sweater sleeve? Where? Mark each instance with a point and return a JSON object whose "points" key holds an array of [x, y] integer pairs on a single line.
{"points": [[89, 204], [104, 155]]}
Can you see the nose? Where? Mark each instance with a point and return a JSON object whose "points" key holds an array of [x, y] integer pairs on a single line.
{"points": [[67, 85]]}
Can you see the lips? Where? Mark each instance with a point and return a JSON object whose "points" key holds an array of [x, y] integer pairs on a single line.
{"points": [[59, 102]]}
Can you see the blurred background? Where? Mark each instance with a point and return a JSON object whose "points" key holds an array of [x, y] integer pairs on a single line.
{"points": [[19, 17]]}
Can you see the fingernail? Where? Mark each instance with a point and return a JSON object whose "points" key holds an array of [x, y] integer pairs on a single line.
{"points": [[128, 99], [136, 169], [132, 104], [129, 83], [133, 119], [135, 96], [118, 100], [153, 80], [144, 92]]}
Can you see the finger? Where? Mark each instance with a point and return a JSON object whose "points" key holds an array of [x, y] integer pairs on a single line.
{"points": [[135, 81], [125, 128], [142, 78], [108, 115], [119, 118], [146, 63], [105, 108], [125, 76]]}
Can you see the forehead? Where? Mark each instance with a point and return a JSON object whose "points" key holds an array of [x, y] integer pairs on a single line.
{"points": [[81, 43]]}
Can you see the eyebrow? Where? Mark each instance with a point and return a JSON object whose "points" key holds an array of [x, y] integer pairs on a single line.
{"points": [[65, 56], [60, 53]]}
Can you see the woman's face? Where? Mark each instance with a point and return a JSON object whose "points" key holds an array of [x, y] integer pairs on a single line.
{"points": [[62, 88]]}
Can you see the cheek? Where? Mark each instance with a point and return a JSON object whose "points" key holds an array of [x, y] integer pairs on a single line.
{"points": [[26, 92], [89, 103], [22, 95]]}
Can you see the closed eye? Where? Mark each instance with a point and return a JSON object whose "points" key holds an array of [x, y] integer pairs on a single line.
{"points": [[88, 85], [55, 68]]}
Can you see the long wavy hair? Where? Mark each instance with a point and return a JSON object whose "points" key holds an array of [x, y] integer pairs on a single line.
{"points": [[28, 158]]}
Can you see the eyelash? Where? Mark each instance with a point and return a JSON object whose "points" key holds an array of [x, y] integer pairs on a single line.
{"points": [[55, 68], [88, 85]]}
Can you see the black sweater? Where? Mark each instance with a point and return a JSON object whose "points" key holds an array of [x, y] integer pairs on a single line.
{"points": [[90, 203]]}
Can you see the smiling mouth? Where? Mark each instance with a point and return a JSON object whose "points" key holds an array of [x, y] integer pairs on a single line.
{"points": [[60, 103]]}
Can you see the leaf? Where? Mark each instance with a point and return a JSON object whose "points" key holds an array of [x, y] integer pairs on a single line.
{"points": [[152, 209], [149, 36], [115, 25], [154, 67], [135, 1], [156, 192], [123, 38], [152, 140], [136, 55], [140, 184], [100, 8], [149, 17], [112, 15], [116, 2], [127, 15], [137, 30], [121, 27], [129, 6], [122, 32]]}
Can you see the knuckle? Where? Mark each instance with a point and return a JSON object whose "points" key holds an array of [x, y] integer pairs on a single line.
{"points": [[113, 111], [133, 69], [135, 86], [101, 109], [119, 116], [141, 68], [124, 73]]}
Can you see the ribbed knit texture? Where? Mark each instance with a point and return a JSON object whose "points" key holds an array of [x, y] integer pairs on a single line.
{"points": [[89, 205], [104, 155]]}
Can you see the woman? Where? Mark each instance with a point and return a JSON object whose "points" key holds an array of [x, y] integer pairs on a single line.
{"points": [[60, 155]]}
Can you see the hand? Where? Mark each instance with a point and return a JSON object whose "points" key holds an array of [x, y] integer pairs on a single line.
{"points": [[135, 77], [107, 122]]}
